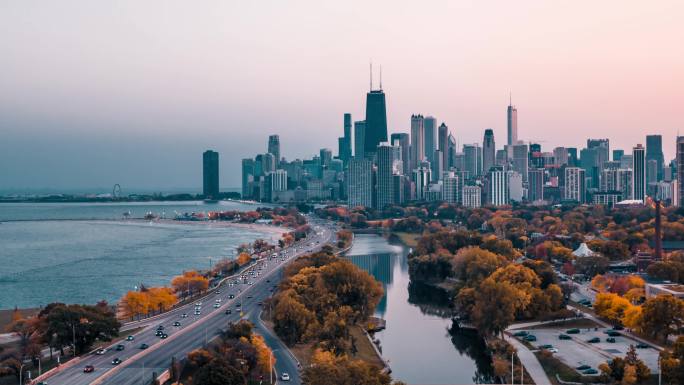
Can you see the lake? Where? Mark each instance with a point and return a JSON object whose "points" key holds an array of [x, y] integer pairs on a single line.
{"points": [[419, 342], [84, 252]]}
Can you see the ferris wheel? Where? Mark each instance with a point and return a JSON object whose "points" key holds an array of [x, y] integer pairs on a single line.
{"points": [[116, 191]]}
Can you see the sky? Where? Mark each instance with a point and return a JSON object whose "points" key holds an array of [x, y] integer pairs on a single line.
{"points": [[94, 93]]}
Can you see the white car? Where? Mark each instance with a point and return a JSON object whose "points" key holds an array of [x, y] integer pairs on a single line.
{"points": [[216, 305], [553, 350], [285, 377], [100, 352]]}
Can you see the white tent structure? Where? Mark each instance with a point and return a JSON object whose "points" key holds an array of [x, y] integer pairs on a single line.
{"points": [[583, 251]]}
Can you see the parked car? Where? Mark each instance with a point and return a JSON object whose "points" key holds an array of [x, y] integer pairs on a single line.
{"points": [[642, 346], [613, 333], [572, 331], [610, 339], [583, 367], [594, 340], [590, 371], [564, 337], [521, 333], [285, 376], [530, 338]]}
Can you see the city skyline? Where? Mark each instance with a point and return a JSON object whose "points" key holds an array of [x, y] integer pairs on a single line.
{"points": [[135, 101]]}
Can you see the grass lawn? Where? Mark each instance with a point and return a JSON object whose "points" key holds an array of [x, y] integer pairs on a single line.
{"points": [[409, 239], [365, 350]]}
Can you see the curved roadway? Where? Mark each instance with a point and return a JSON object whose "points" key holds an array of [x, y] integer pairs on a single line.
{"points": [[139, 365]]}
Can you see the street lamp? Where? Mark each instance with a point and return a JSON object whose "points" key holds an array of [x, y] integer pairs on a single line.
{"points": [[21, 372]]}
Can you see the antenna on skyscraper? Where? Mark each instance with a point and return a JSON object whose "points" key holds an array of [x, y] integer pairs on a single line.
{"points": [[371, 76], [510, 98], [380, 76]]}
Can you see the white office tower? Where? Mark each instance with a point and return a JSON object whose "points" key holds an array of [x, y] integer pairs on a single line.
{"points": [[279, 180], [421, 181], [472, 196], [360, 182], [498, 187]]}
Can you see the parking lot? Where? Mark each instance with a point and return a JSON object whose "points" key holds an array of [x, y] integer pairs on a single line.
{"points": [[577, 351]]}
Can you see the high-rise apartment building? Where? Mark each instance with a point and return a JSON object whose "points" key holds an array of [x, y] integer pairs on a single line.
{"points": [[473, 159], [360, 182], [417, 141], [488, 150], [574, 189], [326, 157], [421, 180], [498, 186], [560, 155], [639, 172], [450, 185], [535, 188], [274, 148], [210, 168]]}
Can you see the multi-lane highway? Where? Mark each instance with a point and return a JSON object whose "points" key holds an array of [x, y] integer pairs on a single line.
{"points": [[138, 365]]}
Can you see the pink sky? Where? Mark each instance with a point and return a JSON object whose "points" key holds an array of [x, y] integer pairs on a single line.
{"points": [[225, 74]]}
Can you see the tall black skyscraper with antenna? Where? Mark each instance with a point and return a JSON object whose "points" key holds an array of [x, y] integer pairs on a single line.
{"points": [[376, 118]]}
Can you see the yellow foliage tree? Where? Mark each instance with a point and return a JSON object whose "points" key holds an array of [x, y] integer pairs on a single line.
{"points": [[135, 303], [265, 359], [243, 259]]}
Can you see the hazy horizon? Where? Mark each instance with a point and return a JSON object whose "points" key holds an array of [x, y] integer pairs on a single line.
{"points": [[93, 94]]}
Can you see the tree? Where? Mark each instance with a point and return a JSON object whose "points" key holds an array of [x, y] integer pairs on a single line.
{"points": [[496, 303], [662, 316], [190, 282], [590, 266], [84, 322], [291, 319], [243, 259], [219, 372], [472, 264], [672, 363]]}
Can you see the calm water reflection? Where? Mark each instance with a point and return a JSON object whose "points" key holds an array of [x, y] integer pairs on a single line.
{"points": [[419, 340]]}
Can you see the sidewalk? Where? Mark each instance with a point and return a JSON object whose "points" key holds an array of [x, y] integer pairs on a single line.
{"points": [[529, 361]]}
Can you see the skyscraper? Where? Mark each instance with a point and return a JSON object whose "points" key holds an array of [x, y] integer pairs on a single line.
{"points": [[450, 191], [488, 150], [560, 154], [512, 124], [639, 172], [388, 166], [359, 139], [654, 151], [326, 157], [376, 121], [443, 144], [520, 160], [430, 139], [247, 177], [360, 182], [473, 159], [417, 141], [602, 152], [617, 154], [402, 140], [210, 163], [421, 179], [274, 148], [345, 142], [680, 172]]}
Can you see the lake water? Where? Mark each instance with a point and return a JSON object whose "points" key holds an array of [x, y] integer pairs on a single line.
{"points": [[419, 342], [83, 252]]}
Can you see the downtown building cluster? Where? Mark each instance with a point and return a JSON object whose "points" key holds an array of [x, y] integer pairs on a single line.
{"points": [[376, 170]]}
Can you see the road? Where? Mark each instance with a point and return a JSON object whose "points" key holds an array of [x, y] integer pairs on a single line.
{"points": [[138, 365]]}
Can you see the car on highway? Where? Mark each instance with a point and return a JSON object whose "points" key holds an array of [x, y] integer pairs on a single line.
{"points": [[612, 333], [228, 311], [144, 346], [238, 304], [217, 305], [100, 352], [218, 300], [176, 324], [197, 312], [88, 369], [521, 333], [120, 347], [130, 338], [545, 346], [285, 377], [116, 361], [160, 327], [218, 291], [184, 315], [231, 296], [530, 338], [553, 350], [158, 333], [164, 336]]}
